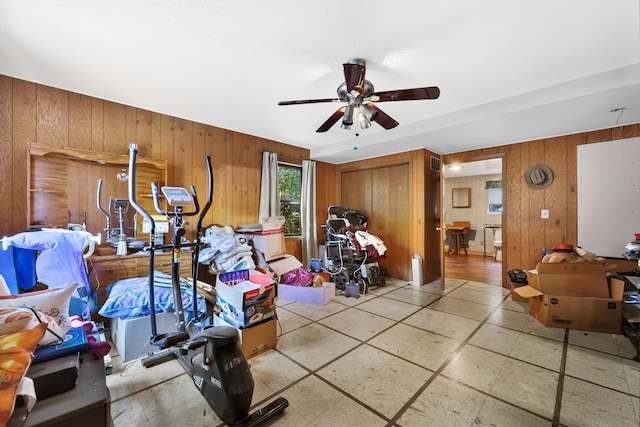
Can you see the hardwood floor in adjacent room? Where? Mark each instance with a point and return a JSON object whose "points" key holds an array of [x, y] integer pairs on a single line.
{"points": [[474, 268]]}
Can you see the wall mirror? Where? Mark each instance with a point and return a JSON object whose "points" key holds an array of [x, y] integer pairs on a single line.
{"points": [[461, 197]]}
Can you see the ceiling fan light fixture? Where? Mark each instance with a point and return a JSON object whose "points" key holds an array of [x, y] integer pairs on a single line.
{"points": [[364, 122], [369, 112], [347, 117]]}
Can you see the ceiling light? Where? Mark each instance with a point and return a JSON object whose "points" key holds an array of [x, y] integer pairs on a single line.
{"points": [[455, 167], [347, 117], [369, 112], [363, 121]]}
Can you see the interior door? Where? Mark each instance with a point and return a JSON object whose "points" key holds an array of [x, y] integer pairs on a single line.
{"points": [[432, 267]]}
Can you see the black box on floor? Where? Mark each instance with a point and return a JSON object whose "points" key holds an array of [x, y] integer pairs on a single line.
{"points": [[56, 376]]}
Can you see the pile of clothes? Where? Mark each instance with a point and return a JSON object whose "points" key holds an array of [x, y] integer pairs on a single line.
{"points": [[224, 248]]}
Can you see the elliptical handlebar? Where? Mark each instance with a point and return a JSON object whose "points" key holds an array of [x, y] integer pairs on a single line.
{"points": [[133, 151]]}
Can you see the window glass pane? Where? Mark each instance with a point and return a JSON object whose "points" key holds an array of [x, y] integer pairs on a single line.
{"points": [[290, 184], [494, 197]]}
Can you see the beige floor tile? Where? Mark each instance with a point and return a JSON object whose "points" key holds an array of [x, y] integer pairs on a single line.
{"points": [[272, 372], [412, 296], [357, 324], [391, 309], [538, 351], [314, 312], [314, 345], [471, 310], [378, 379], [495, 338], [439, 322], [536, 328], [509, 318], [527, 386], [419, 346], [288, 320], [497, 413], [519, 306], [585, 405], [176, 402], [469, 294], [475, 367], [604, 369], [490, 289], [618, 345], [133, 377], [312, 402], [444, 403]]}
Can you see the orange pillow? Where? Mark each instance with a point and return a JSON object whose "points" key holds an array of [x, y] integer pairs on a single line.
{"points": [[16, 351]]}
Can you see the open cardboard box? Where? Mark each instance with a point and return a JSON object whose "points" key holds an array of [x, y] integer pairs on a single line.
{"points": [[577, 279], [595, 314], [306, 294], [241, 302]]}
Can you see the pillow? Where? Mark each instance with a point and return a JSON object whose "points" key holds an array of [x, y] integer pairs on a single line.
{"points": [[12, 318], [15, 359], [52, 302], [129, 298]]}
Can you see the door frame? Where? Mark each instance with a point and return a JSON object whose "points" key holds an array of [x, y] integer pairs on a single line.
{"points": [[466, 158]]}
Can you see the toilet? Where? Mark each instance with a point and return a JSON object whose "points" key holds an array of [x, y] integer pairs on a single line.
{"points": [[497, 244]]}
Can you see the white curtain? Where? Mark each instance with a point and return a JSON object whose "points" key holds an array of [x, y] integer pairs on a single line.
{"points": [[269, 192], [308, 212]]}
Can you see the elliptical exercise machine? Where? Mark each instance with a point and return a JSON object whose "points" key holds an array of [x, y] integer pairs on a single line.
{"points": [[212, 356]]}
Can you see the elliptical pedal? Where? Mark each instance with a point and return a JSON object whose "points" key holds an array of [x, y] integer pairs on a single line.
{"points": [[262, 415]]}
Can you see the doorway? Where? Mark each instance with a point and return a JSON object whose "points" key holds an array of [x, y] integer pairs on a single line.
{"points": [[476, 258]]}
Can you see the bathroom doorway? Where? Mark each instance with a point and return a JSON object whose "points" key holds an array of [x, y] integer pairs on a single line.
{"points": [[477, 257]]}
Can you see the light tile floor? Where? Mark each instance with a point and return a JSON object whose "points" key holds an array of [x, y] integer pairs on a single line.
{"points": [[399, 356]]}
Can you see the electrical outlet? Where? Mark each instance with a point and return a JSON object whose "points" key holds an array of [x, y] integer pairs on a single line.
{"points": [[544, 214]]}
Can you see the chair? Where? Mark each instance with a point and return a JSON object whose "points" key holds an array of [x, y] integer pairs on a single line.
{"points": [[456, 232]]}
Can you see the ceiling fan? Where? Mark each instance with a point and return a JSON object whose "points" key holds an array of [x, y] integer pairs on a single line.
{"points": [[359, 95]]}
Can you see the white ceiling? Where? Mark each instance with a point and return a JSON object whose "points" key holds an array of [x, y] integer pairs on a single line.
{"points": [[508, 70]]}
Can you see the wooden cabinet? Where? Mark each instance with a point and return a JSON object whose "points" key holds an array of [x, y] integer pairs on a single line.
{"points": [[62, 185], [105, 270]]}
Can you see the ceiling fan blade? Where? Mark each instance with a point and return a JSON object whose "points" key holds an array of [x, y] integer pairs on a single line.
{"points": [[331, 120], [383, 119], [354, 75], [308, 101], [431, 92]]}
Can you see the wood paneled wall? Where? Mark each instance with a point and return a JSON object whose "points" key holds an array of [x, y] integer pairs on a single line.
{"points": [[30, 112], [44, 115], [525, 234]]}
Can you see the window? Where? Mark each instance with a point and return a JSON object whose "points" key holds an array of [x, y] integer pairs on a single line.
{"points": [[494, 197], [290, 185]]}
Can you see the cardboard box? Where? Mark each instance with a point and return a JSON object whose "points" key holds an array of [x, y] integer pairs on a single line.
{"points": [[576, 279], [308, 294], [241, 302], [514, 295], [284, 265], [255, 339], [270, 240], [574, 312], [131, 336]]}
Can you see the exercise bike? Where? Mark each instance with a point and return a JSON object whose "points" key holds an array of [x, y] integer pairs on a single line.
{"points": [[212, 355]]}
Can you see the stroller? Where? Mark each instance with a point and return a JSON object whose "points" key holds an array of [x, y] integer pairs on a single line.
{"points": [[350, 257]]}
